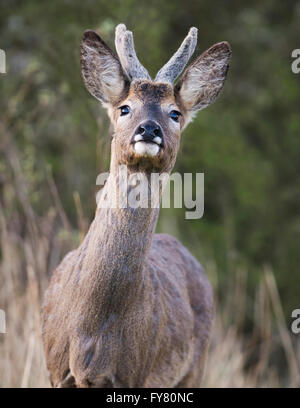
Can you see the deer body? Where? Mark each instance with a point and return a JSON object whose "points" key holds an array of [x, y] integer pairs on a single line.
{"points": [[130, 308]]}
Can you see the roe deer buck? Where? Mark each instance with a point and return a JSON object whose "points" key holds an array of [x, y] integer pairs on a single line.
{"points": [[130, 308]]}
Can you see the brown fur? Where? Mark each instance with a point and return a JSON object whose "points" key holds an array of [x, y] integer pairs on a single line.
{"points": [[128, 308]]}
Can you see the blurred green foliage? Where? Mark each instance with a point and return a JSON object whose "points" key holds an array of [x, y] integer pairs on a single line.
{"points": [[247, 143]]}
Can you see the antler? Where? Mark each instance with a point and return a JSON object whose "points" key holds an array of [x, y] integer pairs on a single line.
{"points": [[126, 52], [173, 68]]}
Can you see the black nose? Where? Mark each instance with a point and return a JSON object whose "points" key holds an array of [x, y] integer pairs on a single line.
{"points": [[149, 131]]}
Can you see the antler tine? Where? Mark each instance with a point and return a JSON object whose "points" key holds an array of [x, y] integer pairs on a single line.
{"points": [[173, 68], [126, 52]]}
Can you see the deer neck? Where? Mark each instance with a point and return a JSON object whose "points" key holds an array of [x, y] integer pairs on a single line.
{"points": [[116, 247]]}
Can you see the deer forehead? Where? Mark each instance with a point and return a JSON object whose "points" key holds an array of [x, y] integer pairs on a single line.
{"points": [[150, 92], [149, 98]]}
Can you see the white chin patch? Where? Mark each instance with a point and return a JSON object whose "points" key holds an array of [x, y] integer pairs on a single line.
{"points": [[146, 149]]}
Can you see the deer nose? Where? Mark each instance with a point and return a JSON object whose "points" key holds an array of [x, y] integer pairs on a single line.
{"points": [[149, 132]]}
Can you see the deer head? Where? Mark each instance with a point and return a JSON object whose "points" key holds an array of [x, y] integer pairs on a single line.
{"points": [[148, 116]]}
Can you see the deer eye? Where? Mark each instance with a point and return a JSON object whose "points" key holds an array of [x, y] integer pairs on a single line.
{"points": [[175, 115], [124, 110]]}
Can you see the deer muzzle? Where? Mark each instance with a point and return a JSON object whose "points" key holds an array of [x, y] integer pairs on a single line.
{"points": [[148, 139]]}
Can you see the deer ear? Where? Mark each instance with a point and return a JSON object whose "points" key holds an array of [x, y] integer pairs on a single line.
{"points": [[204, 78], [101, 70]]}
